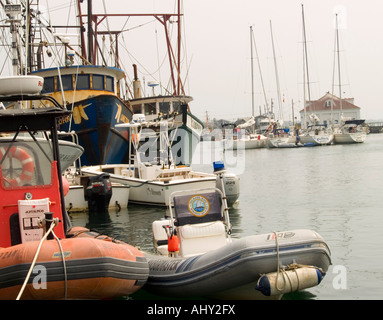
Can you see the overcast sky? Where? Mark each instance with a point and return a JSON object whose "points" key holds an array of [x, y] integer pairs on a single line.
{"points": [[217, 61]]}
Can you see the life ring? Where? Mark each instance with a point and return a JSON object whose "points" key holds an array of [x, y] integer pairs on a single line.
{"points": [[27, 165]]}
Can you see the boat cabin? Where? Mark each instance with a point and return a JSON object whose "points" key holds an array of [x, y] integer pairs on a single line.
{"points": [[80, 82], [153, 106], [30, 174]]}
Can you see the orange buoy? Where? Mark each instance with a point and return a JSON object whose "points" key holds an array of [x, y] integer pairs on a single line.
{"points": [[173, 244]]}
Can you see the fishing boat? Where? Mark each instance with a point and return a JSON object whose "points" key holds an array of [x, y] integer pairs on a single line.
{"points": [[91, 93], [174, 109], [195, 256], [153, 175], [99, 93], [36, 235]]}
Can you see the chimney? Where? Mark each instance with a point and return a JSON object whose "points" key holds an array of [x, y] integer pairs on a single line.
{"points": [[136, 84]]}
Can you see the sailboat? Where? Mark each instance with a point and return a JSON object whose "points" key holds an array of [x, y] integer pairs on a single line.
{"points": [[315, 134], [348, 130], [248, 138], [278, 137]]}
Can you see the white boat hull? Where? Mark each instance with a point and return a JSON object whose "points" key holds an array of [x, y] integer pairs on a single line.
{"points": [[353, 137], [75, 198], [283, 142], [317, 140], [144, 191], [246, 143], [69, 151]]}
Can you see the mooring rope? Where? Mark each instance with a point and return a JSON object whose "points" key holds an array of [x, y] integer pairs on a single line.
{"points": [[291, 267], [55, 222]]}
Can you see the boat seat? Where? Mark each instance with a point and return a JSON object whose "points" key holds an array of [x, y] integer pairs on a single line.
{"points": [[198, 208], [199, 238]]}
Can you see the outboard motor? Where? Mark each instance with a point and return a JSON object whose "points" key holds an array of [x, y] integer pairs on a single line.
{"points": [[99, 193], [228, 183]]}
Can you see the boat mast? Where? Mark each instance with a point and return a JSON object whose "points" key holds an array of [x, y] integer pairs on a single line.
{"points": [[252, 71], [305, 64], [90, 33], [340, 83], [276, 76], [179, 49], [252, 41]]}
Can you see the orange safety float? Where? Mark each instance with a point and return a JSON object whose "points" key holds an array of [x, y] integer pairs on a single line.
{"points": [[173, 244], [26, 161]]}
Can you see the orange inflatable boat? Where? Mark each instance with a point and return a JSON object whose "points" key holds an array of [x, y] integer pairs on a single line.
{"points": [[41, 255]]}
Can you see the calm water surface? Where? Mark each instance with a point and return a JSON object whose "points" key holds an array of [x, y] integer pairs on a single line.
{"points": [[335, 190]]}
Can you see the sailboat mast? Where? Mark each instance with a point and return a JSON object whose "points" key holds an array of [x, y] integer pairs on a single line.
{"points": [[90, 35], [340, 83], [306, 62], [179, 49], [276, 75], [252, 41], [252, 71]]}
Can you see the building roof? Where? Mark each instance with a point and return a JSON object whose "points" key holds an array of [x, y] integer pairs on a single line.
{"points": [[324, 103]]}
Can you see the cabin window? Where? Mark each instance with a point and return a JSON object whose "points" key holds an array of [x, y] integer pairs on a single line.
{"points": [[82, 82], [164, 107], [67, 83], [109, 84], [150, 108], [49, 85], [328, 103], [137, 108], [24, 167], [98, 82], [177, 106]]}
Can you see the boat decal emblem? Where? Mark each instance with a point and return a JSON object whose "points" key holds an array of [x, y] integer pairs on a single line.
{"points": [[79, 112], [59, 255], [281, 235], [198, 206], [120, 117]]}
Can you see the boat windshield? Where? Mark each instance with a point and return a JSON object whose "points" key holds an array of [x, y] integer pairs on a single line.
{"points": [[23, 162]]}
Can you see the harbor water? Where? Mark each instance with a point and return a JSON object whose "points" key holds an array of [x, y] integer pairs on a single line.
{"points": [[335, 190]]}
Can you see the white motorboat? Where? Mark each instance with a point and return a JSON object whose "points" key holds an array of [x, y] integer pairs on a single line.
{"points": [[152, 179], [195, 255], [152, 183]]}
